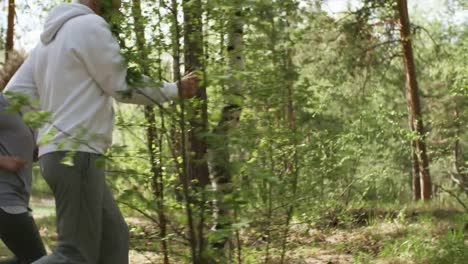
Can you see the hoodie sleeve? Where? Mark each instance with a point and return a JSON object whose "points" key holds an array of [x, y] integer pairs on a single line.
{"points": [[100, 53], [22, 83]]}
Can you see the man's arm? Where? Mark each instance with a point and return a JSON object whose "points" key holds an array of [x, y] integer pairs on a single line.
{"points": [[22, 84], [100, 53], [11, 163]]}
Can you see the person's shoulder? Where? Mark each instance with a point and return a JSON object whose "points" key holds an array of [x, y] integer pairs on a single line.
{"points": [[89, 22], [91, 18]]}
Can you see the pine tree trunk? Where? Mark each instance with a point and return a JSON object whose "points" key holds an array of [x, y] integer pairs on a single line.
{"points": [[413, 95], [416, 179], [10, 29], [151, 132]]}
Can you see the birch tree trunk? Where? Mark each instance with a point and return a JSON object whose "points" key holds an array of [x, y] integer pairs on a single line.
{"points": [[229, 119]]}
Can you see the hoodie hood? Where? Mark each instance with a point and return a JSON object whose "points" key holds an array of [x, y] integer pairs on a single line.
{"points": [[59, 16]]}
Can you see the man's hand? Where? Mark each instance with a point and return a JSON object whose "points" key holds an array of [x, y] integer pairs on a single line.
{"points": [[189, 85], [12, 163]]}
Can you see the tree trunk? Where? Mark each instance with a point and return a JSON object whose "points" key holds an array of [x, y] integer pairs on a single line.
{"points": [[229, 119], [292, 165], [416, 178], [151, 132], [10, 29], [193, 50], [415, 173], [198, 172], [413, 95], [184, 177]]}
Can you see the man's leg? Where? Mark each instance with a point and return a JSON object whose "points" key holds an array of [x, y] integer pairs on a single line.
{"points": [[114, 246], [78, 190], [20, 235]]}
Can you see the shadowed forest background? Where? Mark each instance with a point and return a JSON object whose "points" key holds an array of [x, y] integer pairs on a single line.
{"points": [[315, 137]]}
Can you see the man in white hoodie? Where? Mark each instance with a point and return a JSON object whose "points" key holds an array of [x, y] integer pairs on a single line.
{"points": [[75, 72]]}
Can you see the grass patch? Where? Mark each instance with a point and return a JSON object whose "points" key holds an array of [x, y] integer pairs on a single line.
{"points": [[431, 238]]}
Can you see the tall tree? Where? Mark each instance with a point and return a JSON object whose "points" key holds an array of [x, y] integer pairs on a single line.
{"points": [[229, 119], [412, 91], [10, 29], [290, 118], [184, 171], [197, 173], [415, 172], [193, 55]]}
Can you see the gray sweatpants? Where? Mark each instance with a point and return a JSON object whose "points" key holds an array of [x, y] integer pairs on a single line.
{"points": [[90, 227]]}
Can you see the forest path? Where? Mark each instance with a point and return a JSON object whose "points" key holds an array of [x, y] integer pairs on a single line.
{"points": [[388, 240]]}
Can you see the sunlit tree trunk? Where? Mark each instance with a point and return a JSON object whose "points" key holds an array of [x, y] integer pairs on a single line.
{"points": [[413, 98], [10, 29]]}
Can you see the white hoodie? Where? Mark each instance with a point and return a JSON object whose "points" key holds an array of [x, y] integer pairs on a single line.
{"points": [[75, 71]]}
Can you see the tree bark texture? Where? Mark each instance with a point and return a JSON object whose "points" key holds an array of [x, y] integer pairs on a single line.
{"points": [[413, 97], [10, 29], [230, 117], [193, 51]]}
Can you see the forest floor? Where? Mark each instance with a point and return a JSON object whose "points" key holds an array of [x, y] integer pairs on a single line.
{"points": [[434, 235]]}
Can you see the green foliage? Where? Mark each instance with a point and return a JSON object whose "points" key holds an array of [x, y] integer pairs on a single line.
{"points": [[349, 105], [323, 129]]}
